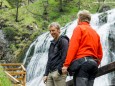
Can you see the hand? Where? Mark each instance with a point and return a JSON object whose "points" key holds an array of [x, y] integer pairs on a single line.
{"points": [[45, 79], [64, 70]]}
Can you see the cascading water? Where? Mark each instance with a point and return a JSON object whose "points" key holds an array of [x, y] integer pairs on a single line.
{"points": [[2, 37], [37, 54]]}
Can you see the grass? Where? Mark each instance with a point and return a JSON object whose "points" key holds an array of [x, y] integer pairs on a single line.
{"points": [[4, 81]]}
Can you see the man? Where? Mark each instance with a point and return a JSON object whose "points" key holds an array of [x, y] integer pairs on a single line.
{"points": [[57, 52], [85, 50]]}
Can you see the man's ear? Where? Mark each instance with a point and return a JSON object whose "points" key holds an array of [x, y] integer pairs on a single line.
{"points": [[78, 21], [59, 31]]}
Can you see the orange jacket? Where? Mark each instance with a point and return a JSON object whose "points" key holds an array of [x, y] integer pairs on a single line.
{"points": [[84, 42]]}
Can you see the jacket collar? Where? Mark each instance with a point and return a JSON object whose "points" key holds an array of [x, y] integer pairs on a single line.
{"points": [[83, 23], [55, 41]]}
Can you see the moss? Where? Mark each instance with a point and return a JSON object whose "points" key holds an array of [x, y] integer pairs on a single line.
{"points": [[10, 33]]}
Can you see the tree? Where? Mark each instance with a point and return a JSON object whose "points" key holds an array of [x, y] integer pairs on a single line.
{"points": [[45, 5], [17, 6], [60, 7], [1, 3]]}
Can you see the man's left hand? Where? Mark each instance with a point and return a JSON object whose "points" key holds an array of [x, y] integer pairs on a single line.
{"points": [[64, 70]]}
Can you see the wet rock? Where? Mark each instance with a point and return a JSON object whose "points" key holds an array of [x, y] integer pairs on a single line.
{"points": [[103, 18], [30, 27], [2, 23], [104, 8]]}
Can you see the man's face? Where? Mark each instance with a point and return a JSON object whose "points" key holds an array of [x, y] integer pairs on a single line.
{"points": [[54, 32]]}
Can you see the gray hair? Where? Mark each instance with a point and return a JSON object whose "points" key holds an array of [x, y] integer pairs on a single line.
{"points": [[54, 24], [84, 15]]}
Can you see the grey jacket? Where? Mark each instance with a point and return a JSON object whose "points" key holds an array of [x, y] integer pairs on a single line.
{"points": [[57, 54]]}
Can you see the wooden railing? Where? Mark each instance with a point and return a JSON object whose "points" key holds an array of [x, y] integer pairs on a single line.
{"points": [[102, 70], [16, 73]]}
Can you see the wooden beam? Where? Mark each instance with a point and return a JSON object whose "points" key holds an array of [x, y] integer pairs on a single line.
{"points": [[12, 78], [13, 69], [20, 79], [101, 71], [13, 73], [17, 85], [11, 64], [106, 69], [23, 68]]}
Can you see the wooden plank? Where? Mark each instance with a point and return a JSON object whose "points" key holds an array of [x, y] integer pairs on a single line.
{"points": [[17, 85], [106, 69], [13, 73], [12, 64], [24, 80], [12, 69], [23, 68], [12, 78], [20, 79]]}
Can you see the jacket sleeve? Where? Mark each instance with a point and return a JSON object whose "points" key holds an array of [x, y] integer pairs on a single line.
{"points": [[64, 47], [73, 46], [47, 67], [100, 53]]}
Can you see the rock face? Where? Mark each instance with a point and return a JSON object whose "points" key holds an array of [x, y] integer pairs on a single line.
{"points": [[5, 53], [2, 45], [104, 8], [1, 51], [111, 39], [2, 23]]}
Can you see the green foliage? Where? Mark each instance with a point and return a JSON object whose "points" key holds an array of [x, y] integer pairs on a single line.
{"points": [[13, 2], [32, 21], [10, 33], [5, 3], [13, 47], [4, 81]]}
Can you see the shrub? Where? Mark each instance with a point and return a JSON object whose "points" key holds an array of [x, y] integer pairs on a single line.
{"points": [[10, 33]]}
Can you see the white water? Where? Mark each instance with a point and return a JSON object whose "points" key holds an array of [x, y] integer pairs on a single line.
{"points": [[36, 66], [2, 37]]}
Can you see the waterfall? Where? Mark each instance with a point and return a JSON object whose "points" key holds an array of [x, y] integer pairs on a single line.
{"points": [[37, 54], [2, 37]]}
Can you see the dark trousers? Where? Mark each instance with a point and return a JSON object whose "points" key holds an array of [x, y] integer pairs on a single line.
{"points": [[86, 73]]}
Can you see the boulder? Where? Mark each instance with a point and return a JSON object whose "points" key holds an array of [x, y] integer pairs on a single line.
{"points": [[104, 8]]}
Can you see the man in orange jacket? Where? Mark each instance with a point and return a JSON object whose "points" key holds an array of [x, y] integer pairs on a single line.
{"points": [[85, 51]]}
